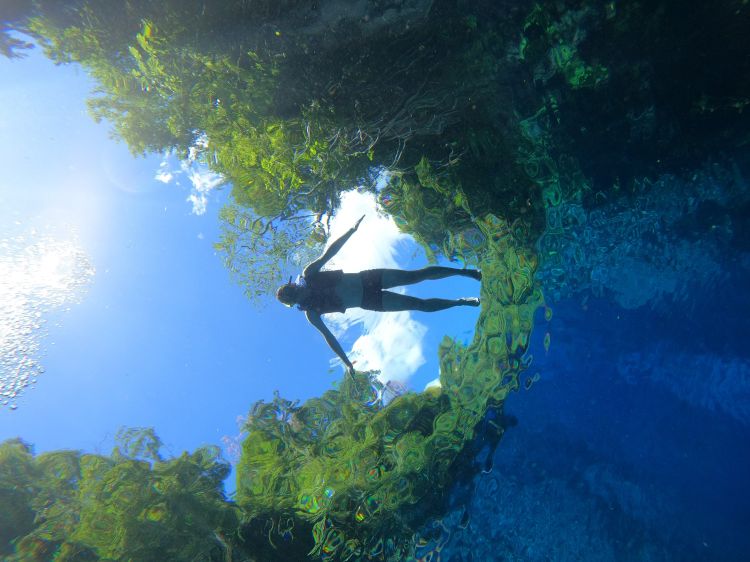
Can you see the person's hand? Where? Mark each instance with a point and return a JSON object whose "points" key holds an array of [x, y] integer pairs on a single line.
{"points": [[356, 226]]}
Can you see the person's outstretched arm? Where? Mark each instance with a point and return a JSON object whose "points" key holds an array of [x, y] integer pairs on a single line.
{"points": [[332, 342], [315, 266]]}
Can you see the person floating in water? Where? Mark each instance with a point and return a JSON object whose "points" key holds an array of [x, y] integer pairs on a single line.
{"points": [[318, 291]]}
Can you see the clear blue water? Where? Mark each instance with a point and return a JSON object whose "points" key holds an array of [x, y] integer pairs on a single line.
{"points": [[633, 445], [619, 454], [629, 438]]}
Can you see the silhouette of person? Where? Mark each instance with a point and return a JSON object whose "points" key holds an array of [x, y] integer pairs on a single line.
{"points": [[319, 291]]}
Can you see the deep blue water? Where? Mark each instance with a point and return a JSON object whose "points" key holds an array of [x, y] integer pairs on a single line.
{"points": [[635, 442]]}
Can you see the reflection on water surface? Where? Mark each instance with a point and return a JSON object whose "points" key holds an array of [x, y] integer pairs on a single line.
{"points": [[590, 157], [39, 275]]}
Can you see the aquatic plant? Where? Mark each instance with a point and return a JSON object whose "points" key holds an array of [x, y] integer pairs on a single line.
{"points": [[551, 36], [130, 505], [429, 206], [290, 115], [362, 477], [294, 105], [342, 476]]}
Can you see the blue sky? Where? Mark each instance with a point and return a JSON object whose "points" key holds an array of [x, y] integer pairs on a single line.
{"points": [[161, 336]]}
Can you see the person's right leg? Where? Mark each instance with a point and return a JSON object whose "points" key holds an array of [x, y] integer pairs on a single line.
{"points": [[393, 302], [398, 277]]}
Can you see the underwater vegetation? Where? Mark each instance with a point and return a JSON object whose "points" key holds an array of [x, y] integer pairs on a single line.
{"points": [[294, 103], [130, 505], [364, 477], [554, 146], [340, 477]]}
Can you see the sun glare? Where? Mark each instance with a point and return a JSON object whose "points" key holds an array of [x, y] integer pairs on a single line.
{"points": [[38, 275]]}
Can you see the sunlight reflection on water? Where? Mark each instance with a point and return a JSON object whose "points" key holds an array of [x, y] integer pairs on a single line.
{"points": [[39, 274]]}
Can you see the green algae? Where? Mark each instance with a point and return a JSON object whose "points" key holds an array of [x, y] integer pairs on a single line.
{"points": [[361, 477], [430, 206], [551, 39], [130, 505]]}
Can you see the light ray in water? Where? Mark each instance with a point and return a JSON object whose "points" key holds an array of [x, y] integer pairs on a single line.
{"points": [[39, 274]]}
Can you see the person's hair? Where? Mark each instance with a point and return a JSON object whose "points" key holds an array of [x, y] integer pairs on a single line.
{"points": [[287, 294]]}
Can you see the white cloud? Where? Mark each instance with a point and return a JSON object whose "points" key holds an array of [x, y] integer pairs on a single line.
{"points": [[163, 176], [199, 201], [434, 383], [202, 180], [377, 240], [393, 341]]}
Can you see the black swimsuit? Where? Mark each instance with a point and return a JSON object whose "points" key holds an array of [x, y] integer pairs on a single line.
{"points": [[322, 297], [372, 289]]}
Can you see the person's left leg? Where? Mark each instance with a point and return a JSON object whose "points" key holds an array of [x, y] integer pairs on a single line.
{"points": [[398, 277], [393, 302]]}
